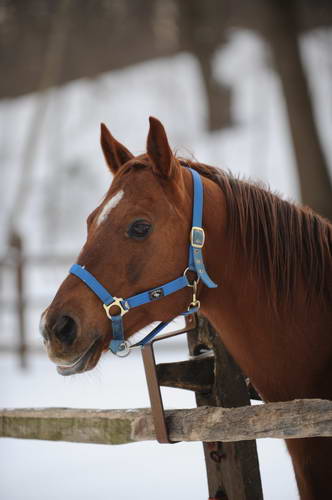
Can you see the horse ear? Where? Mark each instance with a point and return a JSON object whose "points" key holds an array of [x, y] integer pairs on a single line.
{"points": [[115, 153], [163, 161]]}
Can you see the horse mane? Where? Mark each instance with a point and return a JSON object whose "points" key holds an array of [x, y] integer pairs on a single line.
{"points": [[285, 245]]}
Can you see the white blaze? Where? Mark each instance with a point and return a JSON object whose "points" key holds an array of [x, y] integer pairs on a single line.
{"points": [[112, 203]]}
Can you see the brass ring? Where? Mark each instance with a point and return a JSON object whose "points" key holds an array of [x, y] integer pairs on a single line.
{"points": [[194, 281]]}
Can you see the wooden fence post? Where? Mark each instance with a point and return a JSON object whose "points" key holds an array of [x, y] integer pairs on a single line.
{"points": [[232, 468], [17, 249]]}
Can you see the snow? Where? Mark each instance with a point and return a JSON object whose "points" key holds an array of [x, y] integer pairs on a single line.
{"points": [[68, 180], [39, 469]]}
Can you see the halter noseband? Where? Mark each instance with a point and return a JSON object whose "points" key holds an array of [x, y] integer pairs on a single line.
{"points": [[118, 344]]}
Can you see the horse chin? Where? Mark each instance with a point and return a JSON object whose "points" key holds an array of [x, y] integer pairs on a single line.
{"points": [[86, 361]]}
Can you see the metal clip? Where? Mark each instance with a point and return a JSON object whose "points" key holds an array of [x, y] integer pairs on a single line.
{"points": [[195, 302]]}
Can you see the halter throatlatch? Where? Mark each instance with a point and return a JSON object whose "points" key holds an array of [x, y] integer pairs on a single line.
{"points": [[118, 344]]}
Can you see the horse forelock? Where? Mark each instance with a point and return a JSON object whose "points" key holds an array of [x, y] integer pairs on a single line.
{"points": [[285, 245]]}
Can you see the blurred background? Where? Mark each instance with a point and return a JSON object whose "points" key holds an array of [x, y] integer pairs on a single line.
{"points": [[244, 86]]}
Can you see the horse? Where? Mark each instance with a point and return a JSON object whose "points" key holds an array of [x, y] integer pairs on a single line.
{"points": [[270, 258]]}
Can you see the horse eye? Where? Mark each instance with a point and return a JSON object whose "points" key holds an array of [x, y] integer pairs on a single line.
{"points": [[139, 229]]}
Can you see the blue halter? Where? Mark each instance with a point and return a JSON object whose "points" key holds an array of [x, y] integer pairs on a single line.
{"points": [[118, 344]]}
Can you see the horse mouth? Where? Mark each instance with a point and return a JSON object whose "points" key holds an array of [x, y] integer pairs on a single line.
{"points": [[86, 361]]}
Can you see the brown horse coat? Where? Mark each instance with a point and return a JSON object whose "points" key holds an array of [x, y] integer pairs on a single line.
{"points": [[272, 261]]}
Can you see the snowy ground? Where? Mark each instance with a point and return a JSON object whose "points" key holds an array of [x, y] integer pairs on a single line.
{"points": [[68, 157], [36, 470]]}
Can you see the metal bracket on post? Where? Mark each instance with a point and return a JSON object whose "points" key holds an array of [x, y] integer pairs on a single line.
{"points": [[157, 406]]}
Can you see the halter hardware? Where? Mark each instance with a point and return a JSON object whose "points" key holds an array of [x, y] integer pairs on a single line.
{"points": [[124, 349], [118, 344], [195, 303], [197, 237], [117, 302]]}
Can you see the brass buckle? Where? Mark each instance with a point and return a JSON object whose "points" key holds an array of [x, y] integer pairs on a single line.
{"points": [[197, 237], [116, 302]]}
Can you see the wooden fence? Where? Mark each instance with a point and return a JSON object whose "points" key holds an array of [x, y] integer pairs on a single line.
{"points": [[18, 264], [301, 418]]}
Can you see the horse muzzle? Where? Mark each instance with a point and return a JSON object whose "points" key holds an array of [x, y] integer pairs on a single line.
{"points": [[62, 339], [86, 361]]}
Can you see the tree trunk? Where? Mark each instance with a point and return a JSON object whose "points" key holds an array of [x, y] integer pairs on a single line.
{"points": [[281, 32]]}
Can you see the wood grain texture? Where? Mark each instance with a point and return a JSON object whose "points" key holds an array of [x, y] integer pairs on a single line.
{"points": [[285, 420], [193, 374]]}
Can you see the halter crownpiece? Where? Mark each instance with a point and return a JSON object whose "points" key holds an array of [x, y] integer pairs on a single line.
{"points": [[118, 344]]}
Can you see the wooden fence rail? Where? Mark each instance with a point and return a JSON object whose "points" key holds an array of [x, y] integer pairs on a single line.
{"points": [[293, 419]]}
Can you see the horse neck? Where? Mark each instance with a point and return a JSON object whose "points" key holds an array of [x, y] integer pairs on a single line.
{"points": [[261, 339], [238, 288], [232, 308]]}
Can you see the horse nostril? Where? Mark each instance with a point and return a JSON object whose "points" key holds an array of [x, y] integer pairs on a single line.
{"points": [[65, 329]]}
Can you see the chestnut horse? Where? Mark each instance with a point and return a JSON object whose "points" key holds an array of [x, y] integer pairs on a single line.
{"points": [[271, 259]]}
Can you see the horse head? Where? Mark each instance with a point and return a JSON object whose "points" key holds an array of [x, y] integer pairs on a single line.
{"points": [[137, 238]]}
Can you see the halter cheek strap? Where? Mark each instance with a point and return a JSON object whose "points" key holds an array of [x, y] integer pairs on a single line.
{"points": [[197, 235], [118, 344]]}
